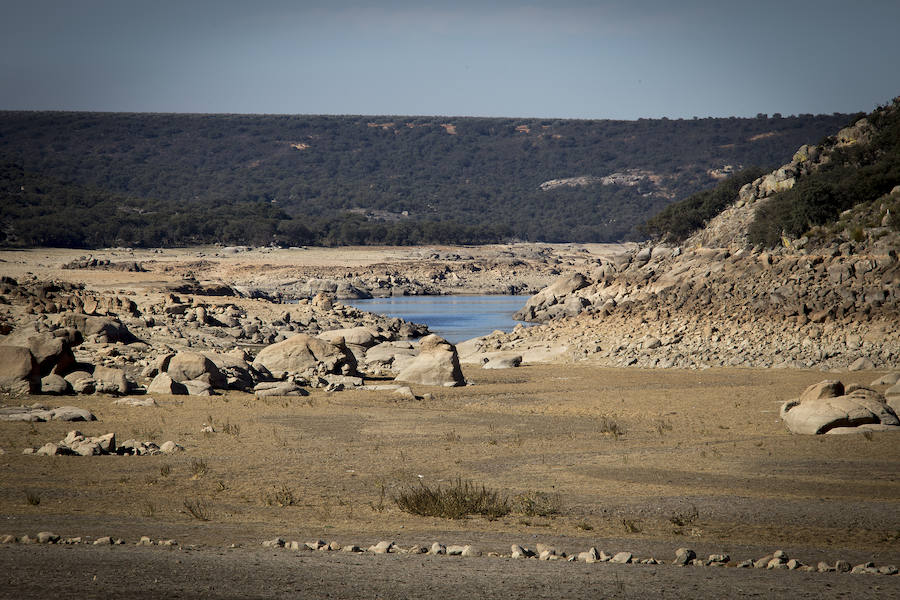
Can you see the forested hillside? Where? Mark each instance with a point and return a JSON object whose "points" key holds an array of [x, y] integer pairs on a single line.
{"points": [[95, 179]]}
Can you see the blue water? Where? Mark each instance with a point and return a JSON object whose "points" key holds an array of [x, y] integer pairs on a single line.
{"points": [[454, 318]]}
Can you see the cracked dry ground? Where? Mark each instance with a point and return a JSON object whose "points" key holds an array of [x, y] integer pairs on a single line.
{"points": [[637, 460]]}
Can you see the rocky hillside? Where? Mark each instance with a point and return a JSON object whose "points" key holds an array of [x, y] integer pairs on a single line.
{"points": [[818, 301]]}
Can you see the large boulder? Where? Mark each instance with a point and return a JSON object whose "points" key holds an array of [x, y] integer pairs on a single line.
{"points": [[553, 294], [110, 380], [52, 353], [106, 330], [436, 364], [163, 384], [19, 373], [356, 336], [187, 366], [825, 406], [302, 353]]}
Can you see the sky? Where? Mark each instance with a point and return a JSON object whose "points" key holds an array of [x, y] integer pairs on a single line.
{"points": [[560, 59]]}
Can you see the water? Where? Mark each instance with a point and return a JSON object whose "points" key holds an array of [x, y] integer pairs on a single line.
{"points": [[454, 318]]}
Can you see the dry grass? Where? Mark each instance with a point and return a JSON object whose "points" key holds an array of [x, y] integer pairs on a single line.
{"points": [[456, 501]]}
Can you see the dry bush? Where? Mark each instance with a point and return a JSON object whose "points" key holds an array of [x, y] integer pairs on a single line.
{"points": [[281, 495], [456, 501], [197, 508], [199, 468], [537, 504]]}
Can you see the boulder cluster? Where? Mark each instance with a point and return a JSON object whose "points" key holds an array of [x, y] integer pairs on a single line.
{"points": [[62, 339], [665, 306], [77, 444]]}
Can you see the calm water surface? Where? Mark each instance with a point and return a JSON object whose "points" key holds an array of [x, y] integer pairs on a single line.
{"points": [[454, 318]]}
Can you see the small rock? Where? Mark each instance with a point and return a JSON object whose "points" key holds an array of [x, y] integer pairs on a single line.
{"points": [[46, 537], [383, 547], [683, 556], [104, 541], [842, 566], [622, 558], [145, 541], [437, 548], [274, 543], [170, 447], [455, 550], [469, 550]]}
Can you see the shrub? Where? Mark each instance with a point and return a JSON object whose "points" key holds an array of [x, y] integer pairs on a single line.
{"points": [[456, 501]]}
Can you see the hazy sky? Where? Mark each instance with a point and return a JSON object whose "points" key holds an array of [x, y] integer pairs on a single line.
{"points": [[563, 59]]}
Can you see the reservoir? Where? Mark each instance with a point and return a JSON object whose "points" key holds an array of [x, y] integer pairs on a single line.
{"points": [[454, 318]]}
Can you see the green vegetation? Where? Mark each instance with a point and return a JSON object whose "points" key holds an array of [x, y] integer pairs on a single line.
{"points": [[680, 219], [856, 174], [92, 179]]}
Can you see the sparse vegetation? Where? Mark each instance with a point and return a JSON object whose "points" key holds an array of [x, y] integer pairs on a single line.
{"points": [[684, 518], [199, 468], [280, 495], [165, 470], [856, 174], [455, 501], [631, 525], [197, 508], [609, 425], [537, 504]]}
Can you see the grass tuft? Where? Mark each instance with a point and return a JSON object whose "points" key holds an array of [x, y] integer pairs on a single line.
{"points": [[456, 501], [197, 508]]}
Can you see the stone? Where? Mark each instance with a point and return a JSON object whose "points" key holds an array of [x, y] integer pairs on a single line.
{"points": [[278, 388], [824, 567], [382, 547], [72, 413], [591, 556], [683, 556], [164, 384], [889, 379], [47, 537], [136, 402], [197, 387], [455, 550], [274, 543], [470, 551], [816, 414], [861, 364], [54, 384], [103, 541], [718, 558], [504, 361], [437, 548], [404, 393], [52, 354], [301, 353], [170, 447], [622, 558], [436, 364], [186, 366], [82, 382], [842, 566], [19, 373], [144, 541], [110, 380], [356, 336]]}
